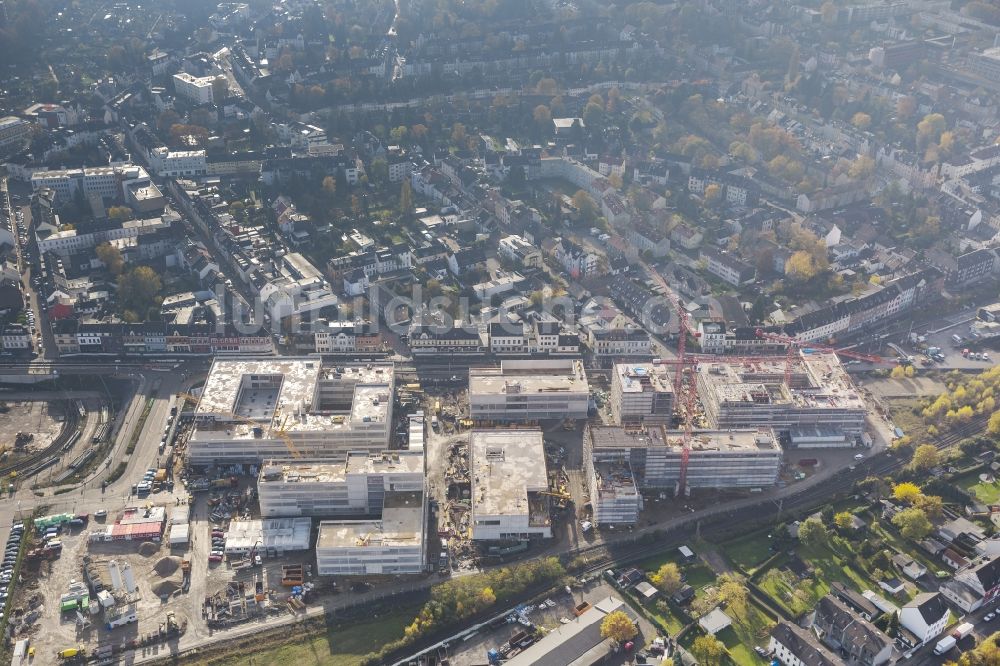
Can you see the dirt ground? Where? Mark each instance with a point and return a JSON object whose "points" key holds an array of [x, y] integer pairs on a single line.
{"points": [[55, 631], [41, 418]]}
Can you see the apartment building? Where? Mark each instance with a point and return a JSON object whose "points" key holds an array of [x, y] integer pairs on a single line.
{"points": [[642, 393], [820, 406], [197, 89], [253, 410], [107, 182], [395, 544], [507, 469], [749, 458], [529, 391], [356, 487]]}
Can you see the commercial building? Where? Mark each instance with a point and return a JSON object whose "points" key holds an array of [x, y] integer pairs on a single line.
{"points": [[107, 182], [177, 163], [356, 487], [650, 459], [394, 544], [275, 408], [509, 479], [642, 393], [819, 406], [14, 132], [198, 89], [529, 391]]}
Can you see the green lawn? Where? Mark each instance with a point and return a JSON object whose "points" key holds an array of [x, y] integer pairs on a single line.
{"points": [[749, 551], [742, 655], [339, 647], [987, 493]]}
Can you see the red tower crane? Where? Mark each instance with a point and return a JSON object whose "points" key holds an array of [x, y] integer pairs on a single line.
{"points": [[794, 344]]}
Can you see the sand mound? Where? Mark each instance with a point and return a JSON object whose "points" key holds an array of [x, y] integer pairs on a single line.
{"points": [[148, 548], [167, 566], [165, 588]]}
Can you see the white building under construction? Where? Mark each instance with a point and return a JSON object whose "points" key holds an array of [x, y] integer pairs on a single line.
{"points": [[818, 406], [534, 390], [642, 393], [509, 485], [394, 544], [622, 463], [253, 410], [356, 487]]}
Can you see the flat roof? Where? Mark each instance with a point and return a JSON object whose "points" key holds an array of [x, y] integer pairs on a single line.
{"points": [[284, 394], [701, 440], [390, 462], [818, 380], [506, 466], [520, 377], [642, 377], [276, 533], [615, 479], [402, 524]]}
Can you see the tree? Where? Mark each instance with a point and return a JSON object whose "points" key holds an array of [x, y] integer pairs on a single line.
{"points": [[861, 168], [585, 205], [929, 130], [800, 266], [813, 533], [406, 198], [733, 591], [667, 578], [138, 289], [543, 117], [458, 133], [220, 88], [931, 505], [111, 257], [906, 492], [713, 193], [330, 187], [618, 627], [379, 170], [708, 650], [993, 425], [924, 457], [912, 523], [861, 120], [398, 133], [843, 520], [120, 213], [987, 653], [898, 372]]}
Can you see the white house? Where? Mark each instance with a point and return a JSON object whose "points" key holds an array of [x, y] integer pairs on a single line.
{"points": [[925, 616]]}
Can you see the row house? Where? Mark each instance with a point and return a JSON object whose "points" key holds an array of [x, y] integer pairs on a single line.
{"points": [[427, 340], [508, 338], [619, 343], [614, 209], [347, 337], [686, 236], [857, 640], [73, 337], [965, 268], [15, 339], [716, 337], [736, 190]]}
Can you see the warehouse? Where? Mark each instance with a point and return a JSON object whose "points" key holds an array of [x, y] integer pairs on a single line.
{"points": [[528, 391], [652, 458], [820, 402], [394, 544], [641, 393], [509, 480], [338, 489], [579, 641], [252, 410]]}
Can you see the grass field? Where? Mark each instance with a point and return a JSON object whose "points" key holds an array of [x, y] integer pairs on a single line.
{"points": [[987, 493], [903, 417], [749, 551], [336, 647]]}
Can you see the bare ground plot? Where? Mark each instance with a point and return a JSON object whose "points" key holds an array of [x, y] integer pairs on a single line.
{"points": [[155, 575], [41, 419], [905, 388]]}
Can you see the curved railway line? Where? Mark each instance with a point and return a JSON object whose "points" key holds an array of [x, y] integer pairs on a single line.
{"points": [[36, 462]]}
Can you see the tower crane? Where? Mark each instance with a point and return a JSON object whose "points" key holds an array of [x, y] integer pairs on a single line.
{"points": [[794, 344], [280, 433]]}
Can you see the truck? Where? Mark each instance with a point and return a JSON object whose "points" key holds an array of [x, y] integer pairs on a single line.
{"points": [[962, 630], [944, 645]]}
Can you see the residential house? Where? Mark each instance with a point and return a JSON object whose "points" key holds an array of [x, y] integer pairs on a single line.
{"points": [[974, 586], [687, 236], [925, 616], [793, 646], [909, 566], [519, 251], [466, 260], [728, 267], [857, 640], [965, 268]]}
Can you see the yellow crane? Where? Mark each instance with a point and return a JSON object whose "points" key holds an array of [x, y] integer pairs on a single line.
{"points": [[278, 432]]}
